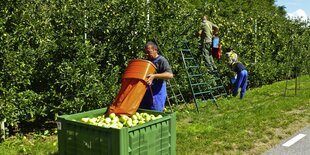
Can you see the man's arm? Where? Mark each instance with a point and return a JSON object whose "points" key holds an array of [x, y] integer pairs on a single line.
{"points": [[215, 27], [164, 76]]}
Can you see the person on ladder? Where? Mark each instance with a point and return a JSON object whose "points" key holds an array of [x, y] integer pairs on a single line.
{"points": [[156, 93], [206, 32]]}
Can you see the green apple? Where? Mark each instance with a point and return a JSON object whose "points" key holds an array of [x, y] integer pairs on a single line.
{"points": [[128, 123], [135, 122], [100, 124], [141, 122], [144, 114], [101, 119], [107, 120], [120, 125], [123, 118], [152, 117], [159, 116], [112, 115], [134, 117], [147, 118], [85, 120], [140, 118], [93, 120], [106, 125], [116, 125], [116, 119]]}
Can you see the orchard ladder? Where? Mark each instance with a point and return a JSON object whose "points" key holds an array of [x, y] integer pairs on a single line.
{"points": [[199, 86]]}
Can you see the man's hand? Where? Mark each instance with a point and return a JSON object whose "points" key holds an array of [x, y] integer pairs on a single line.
{"points": [[150, 79], [164, 76], [199, 32]]}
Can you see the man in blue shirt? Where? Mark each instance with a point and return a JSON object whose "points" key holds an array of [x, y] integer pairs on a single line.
{"points": [[156, 93]]}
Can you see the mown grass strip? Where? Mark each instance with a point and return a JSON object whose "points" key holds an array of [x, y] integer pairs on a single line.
{"points": [[249, 126]]}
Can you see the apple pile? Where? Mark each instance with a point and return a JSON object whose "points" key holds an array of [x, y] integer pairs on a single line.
{"points": [[118, 122]]}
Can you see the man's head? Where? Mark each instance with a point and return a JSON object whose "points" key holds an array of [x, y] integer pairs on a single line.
{"points": [[232, 56], [205, 17], [151, 50]]}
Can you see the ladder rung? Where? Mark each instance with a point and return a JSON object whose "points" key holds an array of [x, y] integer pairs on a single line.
{"points": [[192, 66], [205, 92], [175, 96], [195, 75], [199, 84], [188, 58], [186, 50], [212, 71], [216, 78], [218, 87], [224, 94]]}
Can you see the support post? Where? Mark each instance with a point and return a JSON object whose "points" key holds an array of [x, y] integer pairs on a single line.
{"points": [[2, 131]]}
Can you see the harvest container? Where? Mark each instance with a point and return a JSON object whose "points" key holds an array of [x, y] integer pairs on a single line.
{"points": [[151, 138], [133, 87], [139, 69]]}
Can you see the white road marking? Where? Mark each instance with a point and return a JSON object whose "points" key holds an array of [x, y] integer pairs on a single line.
{"points": [[294, 140]]}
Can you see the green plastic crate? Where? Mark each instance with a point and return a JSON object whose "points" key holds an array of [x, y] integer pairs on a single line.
{"points": [[151, 138]]}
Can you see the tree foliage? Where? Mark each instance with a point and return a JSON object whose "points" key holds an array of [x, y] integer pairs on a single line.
{"points": [[67, 56]]}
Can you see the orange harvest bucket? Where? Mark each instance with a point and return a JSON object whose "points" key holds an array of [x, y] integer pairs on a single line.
{"points": [[133, 87], [139, 69]]}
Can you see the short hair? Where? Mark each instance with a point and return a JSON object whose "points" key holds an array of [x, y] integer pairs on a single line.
{"points": [[205, 17], [150, 43]]}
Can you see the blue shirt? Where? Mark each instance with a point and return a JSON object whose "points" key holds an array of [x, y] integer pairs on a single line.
{"points": [[216, 42], [156, 93]]}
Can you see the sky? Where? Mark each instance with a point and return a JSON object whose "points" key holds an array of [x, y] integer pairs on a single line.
{"points": [[296, 8]]}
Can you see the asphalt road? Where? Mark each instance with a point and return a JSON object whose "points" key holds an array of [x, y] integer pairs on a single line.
{"points": [[297, 144]]}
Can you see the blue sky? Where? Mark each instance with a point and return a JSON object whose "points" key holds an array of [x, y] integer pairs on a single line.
{"points": [[300, 8]]}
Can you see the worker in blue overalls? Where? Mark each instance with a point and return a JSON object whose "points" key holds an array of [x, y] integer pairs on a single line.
{"points": [[156, 93], [240, 80]]}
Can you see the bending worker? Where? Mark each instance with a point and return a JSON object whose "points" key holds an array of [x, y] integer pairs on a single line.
{"points": [[242, 76], [156, 93]]}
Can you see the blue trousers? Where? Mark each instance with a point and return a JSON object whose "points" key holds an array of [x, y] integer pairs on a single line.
{"points": [[155, 97], [240, 82]]}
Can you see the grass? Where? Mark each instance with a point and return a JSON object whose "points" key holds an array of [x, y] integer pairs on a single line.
{"points": [[30, 144], [249, 126], [253, 125]]}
